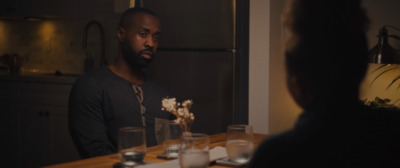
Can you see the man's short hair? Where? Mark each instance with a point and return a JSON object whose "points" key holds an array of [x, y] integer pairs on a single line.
{"points": [[131, 12]]}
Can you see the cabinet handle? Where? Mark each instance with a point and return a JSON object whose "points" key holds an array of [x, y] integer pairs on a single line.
{"points": [[44, 113]]}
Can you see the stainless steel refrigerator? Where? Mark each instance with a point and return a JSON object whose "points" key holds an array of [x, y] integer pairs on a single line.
{"points": [[203, 56]]}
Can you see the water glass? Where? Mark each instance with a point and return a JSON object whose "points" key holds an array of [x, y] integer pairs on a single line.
{"points": [[132, 145], [194, 150], [239, 143], [172, 135]]}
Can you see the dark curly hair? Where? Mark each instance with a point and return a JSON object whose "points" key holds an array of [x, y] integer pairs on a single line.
{"points": [[326, 43]]}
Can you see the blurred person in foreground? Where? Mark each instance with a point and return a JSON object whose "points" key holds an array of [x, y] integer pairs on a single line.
{"points": [[326, 59], [120, 95]]}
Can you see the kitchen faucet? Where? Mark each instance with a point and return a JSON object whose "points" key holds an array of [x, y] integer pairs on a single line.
{"points": [[103, 45]]}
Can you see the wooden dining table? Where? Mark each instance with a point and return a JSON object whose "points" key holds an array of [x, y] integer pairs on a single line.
{"points": [[108, 161]]}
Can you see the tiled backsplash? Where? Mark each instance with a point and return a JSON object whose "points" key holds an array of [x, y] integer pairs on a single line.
{"points": [[52, 44]]}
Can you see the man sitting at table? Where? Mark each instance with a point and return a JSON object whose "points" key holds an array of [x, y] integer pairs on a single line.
{"points": [[326, 59], [119, 95]]}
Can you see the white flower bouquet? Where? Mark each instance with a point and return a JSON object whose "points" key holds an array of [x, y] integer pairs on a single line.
{"points": [[181, 110]]}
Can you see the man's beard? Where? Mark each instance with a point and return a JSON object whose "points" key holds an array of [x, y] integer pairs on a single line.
{"points": [[134, 59]]}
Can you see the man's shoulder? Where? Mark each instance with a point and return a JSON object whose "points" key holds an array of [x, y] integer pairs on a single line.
{"points": [[96, 81], [381, 118], [94, 77], [97, 74]]}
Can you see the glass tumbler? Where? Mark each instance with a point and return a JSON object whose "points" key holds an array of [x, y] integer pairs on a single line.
{"points": [[239, 143], [171, 140], [194, 150], [132, 145]]}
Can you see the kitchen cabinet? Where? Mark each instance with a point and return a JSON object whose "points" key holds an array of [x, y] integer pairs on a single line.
{"points": [[55, 8], [35, 121], [63, 148], [35, 137], [9, 133], [37, 8]]}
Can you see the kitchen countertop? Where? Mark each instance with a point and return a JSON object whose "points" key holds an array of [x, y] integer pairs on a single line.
{"points": [[39, 77]]}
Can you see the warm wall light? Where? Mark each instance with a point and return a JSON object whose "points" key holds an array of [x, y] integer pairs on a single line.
{"points": [[122, 5], [47, 29], [132, 3], [383, 53], [3, 33]]}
